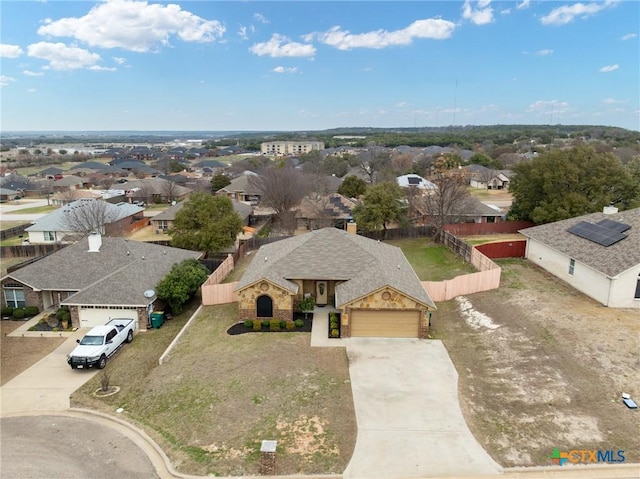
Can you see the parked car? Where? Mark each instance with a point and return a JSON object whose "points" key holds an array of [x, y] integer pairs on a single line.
{"points": [[101, 343]]}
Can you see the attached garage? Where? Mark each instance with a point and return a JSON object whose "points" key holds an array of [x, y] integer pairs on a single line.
{"points": [[386, 323], [91, 317]]}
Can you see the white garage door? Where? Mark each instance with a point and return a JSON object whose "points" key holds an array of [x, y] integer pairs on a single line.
{"points": [[90, 317], [386, 323]]}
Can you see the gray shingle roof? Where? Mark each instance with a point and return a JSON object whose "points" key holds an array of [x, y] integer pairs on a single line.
{"points": [[244, 211], [116, 275], [55, 221], [611, 260], [363, 264]]}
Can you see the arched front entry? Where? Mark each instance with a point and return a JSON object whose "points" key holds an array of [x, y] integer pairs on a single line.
{"points": [[264, 306]]}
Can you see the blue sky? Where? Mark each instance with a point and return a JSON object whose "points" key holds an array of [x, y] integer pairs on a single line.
{"points": [[309, 65]]}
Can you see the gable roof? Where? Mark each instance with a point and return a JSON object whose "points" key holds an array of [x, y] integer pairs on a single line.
{"points": [[56, 220], [117, 274], [242, 209], [241, 183], [610, 260], [365, 265], [70, 180]]}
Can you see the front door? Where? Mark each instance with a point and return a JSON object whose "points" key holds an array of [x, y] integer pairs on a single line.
{"points": [[321, 293]]}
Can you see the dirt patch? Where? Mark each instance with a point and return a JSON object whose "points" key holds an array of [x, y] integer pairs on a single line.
{"points": [[551, 371], [18, 354]]}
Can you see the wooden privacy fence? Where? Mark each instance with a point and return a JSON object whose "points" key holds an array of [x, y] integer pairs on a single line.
{"points": [[470, 229], [214, 291]]}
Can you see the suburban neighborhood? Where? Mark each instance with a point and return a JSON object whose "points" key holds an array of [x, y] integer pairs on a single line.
{"points": [[350, 317]]}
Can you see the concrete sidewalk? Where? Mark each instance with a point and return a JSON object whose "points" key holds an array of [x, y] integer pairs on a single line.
{"points": [[410, 425]]}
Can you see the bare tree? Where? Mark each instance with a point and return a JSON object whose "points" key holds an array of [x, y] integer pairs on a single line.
{"points": [[87, 216], [107, 182], [69, 196], [170, 190], [46, 187], [444, 204], [374, 160], [281, 189]]}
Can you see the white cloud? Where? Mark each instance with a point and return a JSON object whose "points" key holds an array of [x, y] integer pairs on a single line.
{"points": [[258, 17], [480, 16], [242, 32], [285, 70], [613, 101], [63, 57], [609, 68], [98, 68], [548, 106], [434, 28], [5, 80], [629, 36], [10, 51], [524, 4], [32, 90], [281, 46], [133, 25], [567, 13], [120, 60], [29, 73], [544, 52]]}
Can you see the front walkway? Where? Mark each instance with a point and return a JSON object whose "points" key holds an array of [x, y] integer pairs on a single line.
{"points": [[320, 329], [405, 393]]}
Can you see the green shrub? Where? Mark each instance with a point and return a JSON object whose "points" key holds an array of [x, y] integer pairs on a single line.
{"points": [[274, 325], [283, 324], [333, 325], [333, 317], [248, 323], [31, 311], [18, 313], [299, 323], [289, 325], [7, 311], [63, 314], [335, 333], [257, 324], [55, 330], [266, 323]]}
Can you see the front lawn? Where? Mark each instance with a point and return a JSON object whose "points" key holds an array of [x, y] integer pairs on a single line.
{"points": [[217, 397], [432, 261]]}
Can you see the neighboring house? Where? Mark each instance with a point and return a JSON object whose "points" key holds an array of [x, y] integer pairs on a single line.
{"points": [[469, 210], [61, 199], [284, 148], [597, 254], [241, 189], [67, 183], [163, 222], [329, 210], [51, 173], [57, 227], [7, 194], [371, 284], [214, 166], [155, 190], [485, 178], [97, 278], [415, 181]]}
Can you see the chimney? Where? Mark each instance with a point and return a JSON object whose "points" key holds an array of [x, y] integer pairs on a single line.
{"points": [[95, 241], [610, 210], [352, 227]]}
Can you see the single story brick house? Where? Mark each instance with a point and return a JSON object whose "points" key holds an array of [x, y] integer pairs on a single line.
{"points": [[370, 283], [97, 279]]}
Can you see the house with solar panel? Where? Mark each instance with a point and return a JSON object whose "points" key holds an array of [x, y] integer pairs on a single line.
{"points": [[415, 181], [597, 254]]}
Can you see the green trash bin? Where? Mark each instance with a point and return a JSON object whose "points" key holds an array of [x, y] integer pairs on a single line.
{"points": [[157, 319]]}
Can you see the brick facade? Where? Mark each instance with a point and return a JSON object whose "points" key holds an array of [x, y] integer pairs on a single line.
{"points": [[282, 300]]}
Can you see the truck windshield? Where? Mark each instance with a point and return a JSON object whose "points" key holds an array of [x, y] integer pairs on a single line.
{"points": [[92, 340]]}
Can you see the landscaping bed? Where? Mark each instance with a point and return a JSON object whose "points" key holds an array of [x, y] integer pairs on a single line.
{"points": [[300, 325]]}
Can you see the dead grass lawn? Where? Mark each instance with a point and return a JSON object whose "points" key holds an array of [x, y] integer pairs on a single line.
{"points": [[218, 396], [543, 367]]}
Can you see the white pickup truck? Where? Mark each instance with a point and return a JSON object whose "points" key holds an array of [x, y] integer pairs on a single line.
{"points": [[101, 343]]}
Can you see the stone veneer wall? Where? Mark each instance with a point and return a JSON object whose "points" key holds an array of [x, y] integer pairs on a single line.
{"points": [[282, 300], [385, 298]]}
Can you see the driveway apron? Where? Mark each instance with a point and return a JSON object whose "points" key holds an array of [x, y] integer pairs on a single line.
{"points": [[47, 385], [409, 420]]}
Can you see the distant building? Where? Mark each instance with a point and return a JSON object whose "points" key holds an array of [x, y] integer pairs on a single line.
{"points": [[284, 148]]}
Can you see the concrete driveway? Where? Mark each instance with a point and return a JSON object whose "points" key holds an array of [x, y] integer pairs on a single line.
{"points": [[47, 385], [409, 419]]}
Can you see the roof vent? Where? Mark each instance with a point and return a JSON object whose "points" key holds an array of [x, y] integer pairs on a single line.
{"points": [[610, 210], [95, 242]]}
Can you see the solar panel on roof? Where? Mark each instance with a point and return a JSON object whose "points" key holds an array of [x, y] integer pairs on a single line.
{"points": [[614, 225], [413, 180], [596, 233]]}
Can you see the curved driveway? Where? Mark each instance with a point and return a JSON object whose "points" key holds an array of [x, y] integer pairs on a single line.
{"points": [[405, 393]]}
